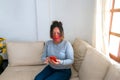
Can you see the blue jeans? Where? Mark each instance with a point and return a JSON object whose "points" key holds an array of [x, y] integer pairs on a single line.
{"points": [[49, 73]]}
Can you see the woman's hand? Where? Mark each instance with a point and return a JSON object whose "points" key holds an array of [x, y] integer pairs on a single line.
{"points": [[47, 60], [55, 62]]}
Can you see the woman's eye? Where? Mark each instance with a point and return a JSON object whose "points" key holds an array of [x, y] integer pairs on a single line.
{"points": [[56, 33]]}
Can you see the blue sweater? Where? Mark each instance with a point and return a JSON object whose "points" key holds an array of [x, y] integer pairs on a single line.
{"points": [[62, 51]]}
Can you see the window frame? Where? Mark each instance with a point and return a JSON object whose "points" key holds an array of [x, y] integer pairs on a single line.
{"points": [[112, 11]]}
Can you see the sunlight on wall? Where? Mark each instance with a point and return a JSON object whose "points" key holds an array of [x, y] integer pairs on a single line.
{"points": [[102, 25]]}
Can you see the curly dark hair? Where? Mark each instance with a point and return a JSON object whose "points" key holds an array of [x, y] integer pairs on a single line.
{"points": [[59, 25]]}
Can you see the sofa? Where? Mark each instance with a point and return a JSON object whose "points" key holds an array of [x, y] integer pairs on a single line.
{"points": [[24, 62]]}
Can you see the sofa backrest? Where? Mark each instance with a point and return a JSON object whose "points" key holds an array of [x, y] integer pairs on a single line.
{"points": [[24, 53]]}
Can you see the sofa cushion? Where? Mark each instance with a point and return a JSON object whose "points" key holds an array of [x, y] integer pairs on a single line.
{"points": [[21, 72], [113, 73], [80, 48], [94, 66], [24, 53], [75, 78], [74, 72]]}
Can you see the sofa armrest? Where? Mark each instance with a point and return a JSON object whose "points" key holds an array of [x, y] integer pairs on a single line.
{"points": [[113, 73]]}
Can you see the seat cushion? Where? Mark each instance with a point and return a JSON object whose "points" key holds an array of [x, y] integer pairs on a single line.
{"points": [[94, 66], [75, 78], [24, 53], [21, 72], [27, 73]]}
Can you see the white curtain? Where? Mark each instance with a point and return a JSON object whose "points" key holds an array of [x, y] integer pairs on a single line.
{"points": [[101, 29]]}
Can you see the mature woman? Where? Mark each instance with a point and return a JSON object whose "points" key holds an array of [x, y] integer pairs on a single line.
{"points": [[58, 54]]}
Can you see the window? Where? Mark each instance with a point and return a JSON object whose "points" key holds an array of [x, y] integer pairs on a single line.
{"points": [[114, 31]]}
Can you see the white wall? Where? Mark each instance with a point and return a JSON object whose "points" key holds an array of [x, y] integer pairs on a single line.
{"points": [[77, 17], [30, 20], [17, 20], [43, 19]]}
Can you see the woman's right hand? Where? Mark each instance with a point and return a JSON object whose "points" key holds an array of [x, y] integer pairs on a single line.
{"points": [[46, 60]]}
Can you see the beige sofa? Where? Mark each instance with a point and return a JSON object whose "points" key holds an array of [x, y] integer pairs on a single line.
{"points": [[89, 64]]}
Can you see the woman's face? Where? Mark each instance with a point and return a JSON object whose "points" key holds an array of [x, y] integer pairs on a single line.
{"points": [[56, 35]]}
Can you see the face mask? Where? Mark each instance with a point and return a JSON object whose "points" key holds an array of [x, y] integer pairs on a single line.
{"points": [[56, 37]]}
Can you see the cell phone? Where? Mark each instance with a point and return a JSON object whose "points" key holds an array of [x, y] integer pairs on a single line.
{"points": [[53, 58]]}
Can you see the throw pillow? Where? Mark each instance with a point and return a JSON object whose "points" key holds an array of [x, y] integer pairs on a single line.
{"points": [[80, 48], [24, 53]]}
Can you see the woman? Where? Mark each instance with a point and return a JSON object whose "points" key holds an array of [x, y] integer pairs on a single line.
{"points": [[59, 68]]}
